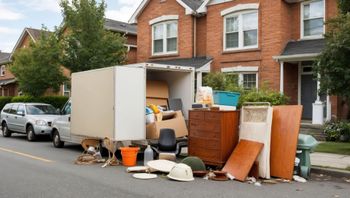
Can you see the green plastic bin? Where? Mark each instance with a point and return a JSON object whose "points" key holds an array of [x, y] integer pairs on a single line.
{"points": [[306, 144]]}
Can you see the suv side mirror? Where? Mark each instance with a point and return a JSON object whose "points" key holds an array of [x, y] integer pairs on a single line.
{"points": [[58, 110], [21, 113]]}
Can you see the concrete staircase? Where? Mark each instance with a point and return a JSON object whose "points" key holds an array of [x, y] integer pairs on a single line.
{"points": [[312, 129]]}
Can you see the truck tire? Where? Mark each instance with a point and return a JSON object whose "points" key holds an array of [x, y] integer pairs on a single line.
{"points": [[56, 140], [30, 133], [5, 130]]}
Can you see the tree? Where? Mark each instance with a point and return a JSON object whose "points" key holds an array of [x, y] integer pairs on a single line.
{"points": [[37, 67], [332, 66], [87, 45]]}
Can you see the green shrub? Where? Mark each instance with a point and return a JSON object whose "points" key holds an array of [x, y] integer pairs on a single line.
{"points": [[263, 95], [56, 101], [221, 81], [334, 129], [4, 100]]}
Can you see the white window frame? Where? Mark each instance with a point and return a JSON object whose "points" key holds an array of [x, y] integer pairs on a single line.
{"points": [[165, 52], [2, 70], [241, 46], [64, 90], [242, 70], [302, 4]]}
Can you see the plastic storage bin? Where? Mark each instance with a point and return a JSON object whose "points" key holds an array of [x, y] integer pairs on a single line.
{"points": [[306, 144], [226, 98]]}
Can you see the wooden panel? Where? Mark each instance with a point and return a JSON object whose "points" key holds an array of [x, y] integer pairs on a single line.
{"points": [[207, 155], [205, 125], [212, 115], [284, 139], [195, 133], [197, 115], [242, 159], [204, 143]]}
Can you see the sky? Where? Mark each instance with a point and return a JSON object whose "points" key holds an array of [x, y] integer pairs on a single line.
{"points": [[15, 15]]}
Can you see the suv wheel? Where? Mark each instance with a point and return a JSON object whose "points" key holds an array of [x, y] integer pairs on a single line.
{"points": [[30, 133], [5, 131], [56, 140]]}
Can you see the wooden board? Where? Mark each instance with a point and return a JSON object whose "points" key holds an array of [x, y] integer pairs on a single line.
{"points": [[242, 159], [284, 139]]}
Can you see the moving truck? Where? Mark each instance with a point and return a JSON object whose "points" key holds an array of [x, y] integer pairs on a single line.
{"points": [[110, 102]]}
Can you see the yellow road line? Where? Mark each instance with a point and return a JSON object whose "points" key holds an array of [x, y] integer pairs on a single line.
{"points": [[26, 155]]}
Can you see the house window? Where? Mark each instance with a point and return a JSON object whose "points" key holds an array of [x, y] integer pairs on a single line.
{"points": [[241, 30], [2, 70], [249, 81], [164, 38], [66, 90], [312, 18]]}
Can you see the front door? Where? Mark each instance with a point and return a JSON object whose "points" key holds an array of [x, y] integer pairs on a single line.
{"points": [[308, 94]]}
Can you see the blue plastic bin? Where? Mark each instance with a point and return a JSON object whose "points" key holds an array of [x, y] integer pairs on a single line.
{"points": [[226, 98]]}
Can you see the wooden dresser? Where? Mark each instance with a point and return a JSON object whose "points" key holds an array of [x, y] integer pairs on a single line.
{"points": [[213, 135]]}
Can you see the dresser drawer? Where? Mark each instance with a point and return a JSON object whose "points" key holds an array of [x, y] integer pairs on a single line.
{"points": [[210, 155], [196, 133], [206, 126], [213, 116], [204, 143], [198, 115]]}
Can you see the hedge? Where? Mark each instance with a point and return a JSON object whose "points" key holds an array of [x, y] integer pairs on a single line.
{"points": [[56, 101]]}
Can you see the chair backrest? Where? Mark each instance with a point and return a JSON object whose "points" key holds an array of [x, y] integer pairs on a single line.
{"points": [[175, 104], [167, 140]]}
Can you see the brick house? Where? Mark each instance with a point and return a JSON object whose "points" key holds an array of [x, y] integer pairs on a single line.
{"points": [[266, 42], [8, 84]]}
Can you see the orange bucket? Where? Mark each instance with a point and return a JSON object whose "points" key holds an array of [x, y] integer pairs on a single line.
{"points": [[129, 155]]}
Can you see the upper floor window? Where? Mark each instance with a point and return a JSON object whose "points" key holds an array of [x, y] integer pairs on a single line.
{"points": [[164, 38], [2, 70], [312, 18], [241, 30]]}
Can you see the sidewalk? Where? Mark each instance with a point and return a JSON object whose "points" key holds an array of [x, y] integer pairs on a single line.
{"points": [[330, 160]]}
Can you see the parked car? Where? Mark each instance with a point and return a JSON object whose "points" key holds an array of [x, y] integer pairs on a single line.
{"points": [[29, 118], [61, 128]]}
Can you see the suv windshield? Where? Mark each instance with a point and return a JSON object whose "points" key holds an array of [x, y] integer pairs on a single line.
{"points": [[41, 110]]}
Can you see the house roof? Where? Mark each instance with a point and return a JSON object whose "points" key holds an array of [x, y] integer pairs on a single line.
{"points": [[119, 26], [36, 33], [190, 6], [193, 4], [4, 57], [197, 62], [7, 81], [304, 47]]}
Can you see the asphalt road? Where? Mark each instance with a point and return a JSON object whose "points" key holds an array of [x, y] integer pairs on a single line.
{"points": [[37, 169]]}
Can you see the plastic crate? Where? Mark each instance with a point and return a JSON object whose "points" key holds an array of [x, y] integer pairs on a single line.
{"points": [[226, 98]]}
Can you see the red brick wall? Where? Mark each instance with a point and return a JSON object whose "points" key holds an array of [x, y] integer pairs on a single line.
{"points": [[132, 56], [131, 39], [155, 9], [291, 82], [201, 36]]}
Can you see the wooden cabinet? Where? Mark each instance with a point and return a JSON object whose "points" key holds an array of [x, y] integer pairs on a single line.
{"points": [[213, 135]]}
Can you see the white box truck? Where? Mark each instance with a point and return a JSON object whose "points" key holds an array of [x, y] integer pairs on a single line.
{"points": [[110, 102]]}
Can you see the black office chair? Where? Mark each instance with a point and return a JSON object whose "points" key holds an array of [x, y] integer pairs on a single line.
{"points": [[167, 142]]}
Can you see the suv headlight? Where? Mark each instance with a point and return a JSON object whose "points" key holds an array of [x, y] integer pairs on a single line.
{"points": [[41, 123]]}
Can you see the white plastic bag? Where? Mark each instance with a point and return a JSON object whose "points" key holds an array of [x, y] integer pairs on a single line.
{"points": [[204, 95]]}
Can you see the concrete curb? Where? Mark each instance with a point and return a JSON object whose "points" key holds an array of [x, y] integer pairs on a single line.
{"points": [[331, 172]]}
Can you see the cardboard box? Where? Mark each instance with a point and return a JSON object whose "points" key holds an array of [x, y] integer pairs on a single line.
{"points": [[177, 123]]}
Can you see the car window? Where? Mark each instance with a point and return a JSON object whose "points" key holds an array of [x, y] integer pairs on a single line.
{"points": [[13, 109], [7, 108], [41, 110], [20, 109], [66, 109]]}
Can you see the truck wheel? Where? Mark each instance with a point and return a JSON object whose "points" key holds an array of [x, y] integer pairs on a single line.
{"points": [[56, 140], [5, 131], [30, 133]]}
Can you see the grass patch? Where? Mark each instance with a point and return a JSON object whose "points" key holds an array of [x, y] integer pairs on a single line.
{"points": [[334, 147]]}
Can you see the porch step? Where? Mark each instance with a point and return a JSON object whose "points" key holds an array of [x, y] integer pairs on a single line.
{"points": [[312, 129]]}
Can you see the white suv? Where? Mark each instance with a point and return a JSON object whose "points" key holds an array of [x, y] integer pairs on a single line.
{"points": [[31, 119]]}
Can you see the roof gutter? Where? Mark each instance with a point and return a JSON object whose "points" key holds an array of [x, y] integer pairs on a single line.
{"points": [[296, 57]]}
